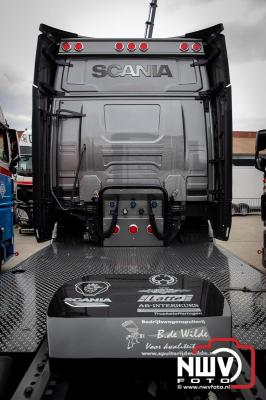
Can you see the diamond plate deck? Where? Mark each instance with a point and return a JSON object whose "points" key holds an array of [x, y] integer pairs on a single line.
{"points": [[24, 296]]}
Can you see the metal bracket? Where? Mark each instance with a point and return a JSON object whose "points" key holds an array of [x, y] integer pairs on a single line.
{"points": [[212, 91], [36, 378], [56, 61], [200, 62], [218, 160], [216, 192], [70, 114], [49, 90], [206, 95], [215, 53]]}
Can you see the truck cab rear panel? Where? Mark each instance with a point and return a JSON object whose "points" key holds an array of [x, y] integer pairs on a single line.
{"points": [[132, 116]]}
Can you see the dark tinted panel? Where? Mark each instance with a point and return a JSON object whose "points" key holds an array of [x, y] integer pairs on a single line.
{"points": [[131, 75]]}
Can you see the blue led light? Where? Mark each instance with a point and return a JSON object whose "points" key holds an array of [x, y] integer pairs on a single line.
{"points": [[133, 204], [154, 204]]}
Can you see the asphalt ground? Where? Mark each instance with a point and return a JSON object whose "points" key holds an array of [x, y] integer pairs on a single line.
{"points": [[245, 241]]}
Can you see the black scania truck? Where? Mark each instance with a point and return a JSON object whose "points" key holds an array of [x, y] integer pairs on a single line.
{"points": [[132, 146]]}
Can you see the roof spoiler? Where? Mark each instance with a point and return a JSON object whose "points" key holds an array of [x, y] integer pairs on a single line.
{"points": [[56, 33], [203, 34], [206, 34]]}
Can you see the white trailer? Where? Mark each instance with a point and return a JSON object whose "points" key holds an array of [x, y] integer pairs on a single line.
{"points": [[247, 189]]}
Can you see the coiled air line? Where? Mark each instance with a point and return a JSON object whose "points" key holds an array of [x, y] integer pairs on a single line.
{"points": [[169, 234]]}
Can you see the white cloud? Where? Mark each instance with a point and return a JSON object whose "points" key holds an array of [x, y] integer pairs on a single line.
{"points": [[25, 119], [244, 28], [15, 95]]}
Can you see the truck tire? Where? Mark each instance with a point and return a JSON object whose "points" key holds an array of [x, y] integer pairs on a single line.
{"points": [[243, 209], [234, 209], [15, 217]]}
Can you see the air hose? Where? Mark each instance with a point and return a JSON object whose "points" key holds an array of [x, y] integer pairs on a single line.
{"points": [[170, 234], [110, 230]]}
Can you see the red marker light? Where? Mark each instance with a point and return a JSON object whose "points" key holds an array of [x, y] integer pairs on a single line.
{"points": [[196, 47], [66, 46], [116, 229], [133, 229], [149, 229], [119, 46], [131, 46], [79, 46], [183, 46], [143, 46]]}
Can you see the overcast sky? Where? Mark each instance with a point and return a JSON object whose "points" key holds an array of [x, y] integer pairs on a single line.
{"points": [[245, 30]]}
